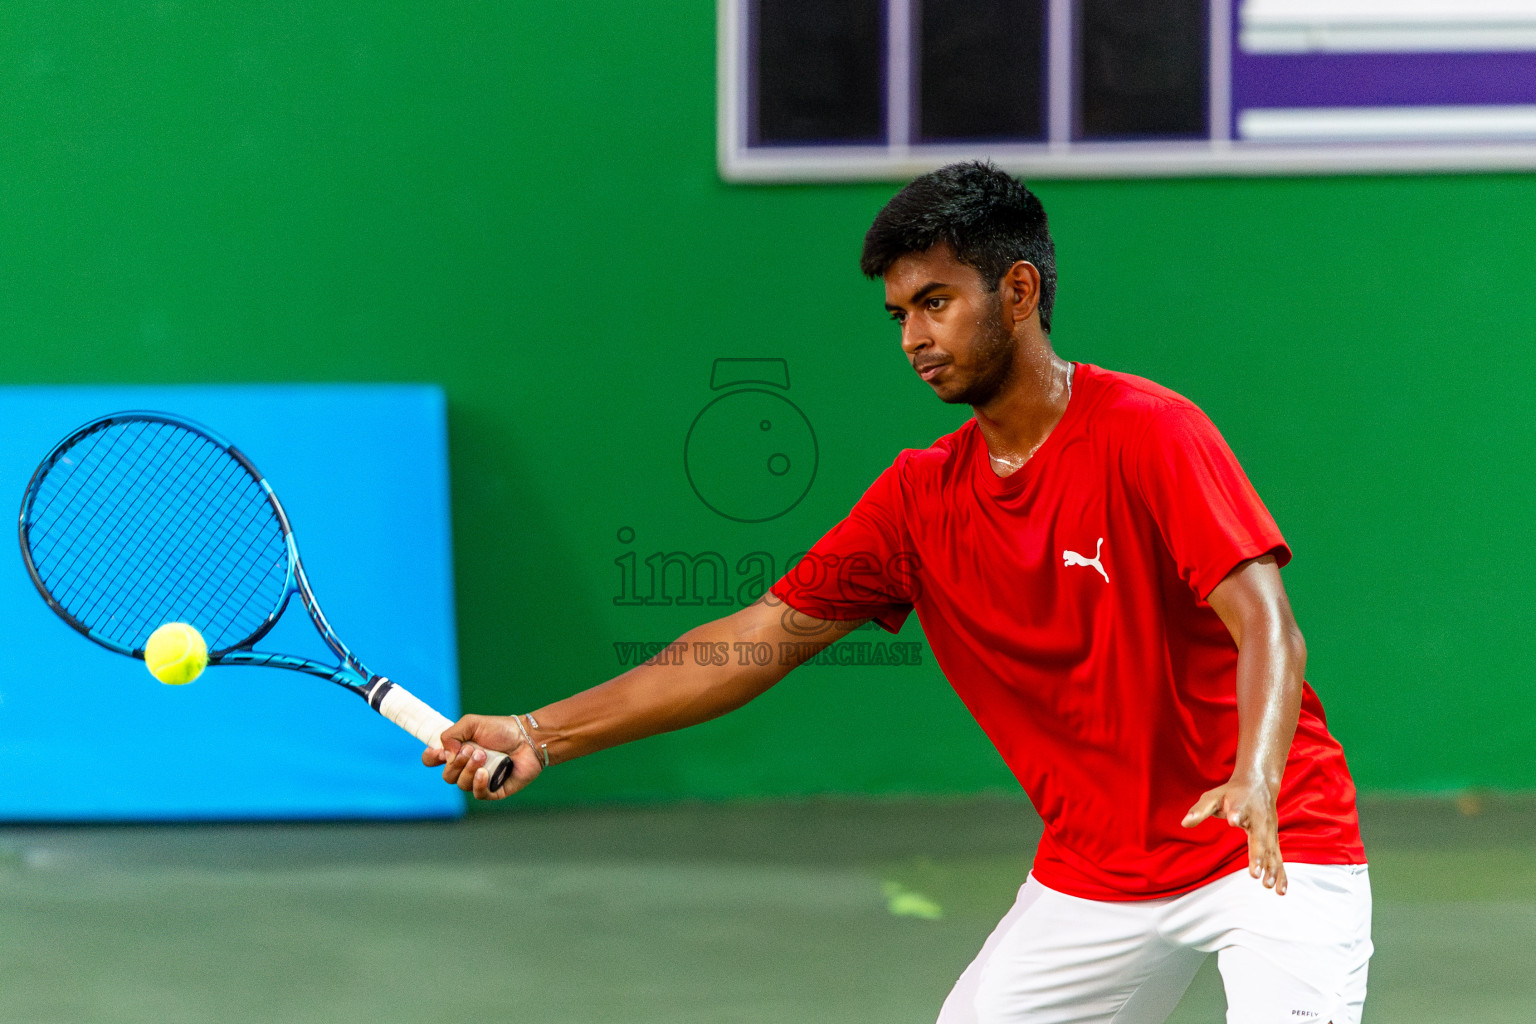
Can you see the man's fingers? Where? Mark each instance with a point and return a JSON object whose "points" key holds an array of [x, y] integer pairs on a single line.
{"points": [[1264, 860], [434, 756], [1274, 871], [1257, 855], [477, 729], [483, 789], [526, 768], [450, 772], [1204, 808], [1273, 868], [460, 731], [492, 733], [474, 761], [1237, 817], [456, 765]]}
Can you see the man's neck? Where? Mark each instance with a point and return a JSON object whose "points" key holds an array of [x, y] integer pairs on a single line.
{"points": [[1016, 422]]}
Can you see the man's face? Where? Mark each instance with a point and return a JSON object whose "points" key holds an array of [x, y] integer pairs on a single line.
{"points": [[952, 328]]}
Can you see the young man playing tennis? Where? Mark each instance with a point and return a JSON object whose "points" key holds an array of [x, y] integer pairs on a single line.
{"points": [[1101, 585]]}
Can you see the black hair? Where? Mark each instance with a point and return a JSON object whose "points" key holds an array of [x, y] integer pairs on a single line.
{"points": [[989, 218]]}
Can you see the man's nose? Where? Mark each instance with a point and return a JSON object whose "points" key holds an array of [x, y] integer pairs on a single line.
{"points": [[913, 339]]}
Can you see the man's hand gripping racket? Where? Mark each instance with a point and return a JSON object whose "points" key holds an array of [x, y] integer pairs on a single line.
{"points": [[464, 753], [142, 518]]}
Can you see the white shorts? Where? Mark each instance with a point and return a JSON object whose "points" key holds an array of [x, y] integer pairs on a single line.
{"points": [[1056, 959]]}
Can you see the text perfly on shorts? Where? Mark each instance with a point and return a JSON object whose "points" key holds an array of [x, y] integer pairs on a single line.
{"points": [[1300, 958]]}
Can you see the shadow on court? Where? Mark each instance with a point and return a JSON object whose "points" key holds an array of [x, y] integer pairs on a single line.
{"points": [[828, 911]]}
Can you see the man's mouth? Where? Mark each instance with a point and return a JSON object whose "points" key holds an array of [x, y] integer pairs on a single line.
{"points": [[930, 370]]}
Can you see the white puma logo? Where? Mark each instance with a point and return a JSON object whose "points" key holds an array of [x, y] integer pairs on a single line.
{"points": [[1073, 558]]}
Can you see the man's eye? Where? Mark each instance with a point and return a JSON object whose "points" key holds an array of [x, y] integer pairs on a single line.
{"points": [[936, 303], [899, 317]]}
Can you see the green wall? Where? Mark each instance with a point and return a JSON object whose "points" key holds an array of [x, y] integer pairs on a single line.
{"points": [[520, 201]]}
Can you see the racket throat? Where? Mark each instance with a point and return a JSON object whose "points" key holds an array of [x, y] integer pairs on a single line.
{"points": [[375, 690]]}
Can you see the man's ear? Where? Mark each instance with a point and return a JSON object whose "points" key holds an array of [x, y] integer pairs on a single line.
{"points": [[1020, 288]]}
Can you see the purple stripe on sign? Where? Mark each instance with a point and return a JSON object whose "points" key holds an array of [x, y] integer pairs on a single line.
{"points": [[1382, 79]]}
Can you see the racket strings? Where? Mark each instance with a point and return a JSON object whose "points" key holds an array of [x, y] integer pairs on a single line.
{"points": [[115, 552], [145, 522], [58, 528], [86, 502], [167, 549], [256, 559], [118, 534], [173, 542], [134, 551]]}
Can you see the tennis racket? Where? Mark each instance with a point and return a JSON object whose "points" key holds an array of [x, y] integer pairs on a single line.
{"points": [[142, 518]]}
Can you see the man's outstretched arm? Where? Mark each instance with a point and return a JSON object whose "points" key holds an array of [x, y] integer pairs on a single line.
{"points": [[1271, 664], [649, 699]]}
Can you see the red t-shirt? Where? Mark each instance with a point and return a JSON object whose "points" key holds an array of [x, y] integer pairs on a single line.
{"points": [[1066, 605]]}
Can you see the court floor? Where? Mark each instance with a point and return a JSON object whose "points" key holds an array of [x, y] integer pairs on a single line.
{"points": [[826, 911]]}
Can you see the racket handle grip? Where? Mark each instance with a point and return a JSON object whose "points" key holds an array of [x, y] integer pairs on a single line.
{"points": [[421, 720]]}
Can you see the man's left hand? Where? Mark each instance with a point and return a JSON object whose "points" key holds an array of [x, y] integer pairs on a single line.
{"points": [[1249, 806]]}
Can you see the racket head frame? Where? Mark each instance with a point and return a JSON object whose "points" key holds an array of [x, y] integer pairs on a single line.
{"points": [[387, 698], [350, 673]]}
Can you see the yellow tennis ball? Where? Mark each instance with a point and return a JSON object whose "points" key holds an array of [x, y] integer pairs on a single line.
{"points": [[175, 653]]}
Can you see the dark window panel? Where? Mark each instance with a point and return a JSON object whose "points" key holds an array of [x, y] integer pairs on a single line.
{"points": [[819, 71], [980, 68], [1142, 68]]}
